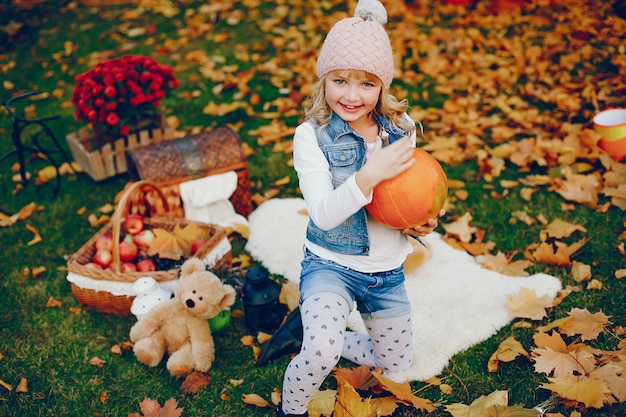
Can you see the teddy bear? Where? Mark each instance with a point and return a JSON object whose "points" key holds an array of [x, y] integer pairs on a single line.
{"points": [[179, 326], [148, 293]]}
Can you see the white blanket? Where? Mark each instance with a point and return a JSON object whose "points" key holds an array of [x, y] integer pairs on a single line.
{"points": [[455, 302]]}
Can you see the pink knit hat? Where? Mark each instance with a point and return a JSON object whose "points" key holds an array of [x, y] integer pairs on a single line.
{"points": [[359, 43]]}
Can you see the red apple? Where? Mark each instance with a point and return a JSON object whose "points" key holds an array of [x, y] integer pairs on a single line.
{"points": [[128, 251], [104, 242], [93, 265], [128, 267], [146, 265], [103, 258], [134, 223], [143, 238], [196, 245]]}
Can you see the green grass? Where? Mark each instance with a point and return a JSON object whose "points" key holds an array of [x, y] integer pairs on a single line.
{"points": [[51, 347]]}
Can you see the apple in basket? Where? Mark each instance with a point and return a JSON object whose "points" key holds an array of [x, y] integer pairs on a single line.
{"points": [[93, 265], [143, 238], [128, 251], [128, 267], [102, 257], [197, 244], [146, 265], [104, 242], [134, 223]]}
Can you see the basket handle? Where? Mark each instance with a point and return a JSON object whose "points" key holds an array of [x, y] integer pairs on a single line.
{"points": [[122, 211]]}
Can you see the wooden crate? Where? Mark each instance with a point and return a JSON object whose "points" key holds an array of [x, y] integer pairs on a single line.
{"points": [[101, 161]]}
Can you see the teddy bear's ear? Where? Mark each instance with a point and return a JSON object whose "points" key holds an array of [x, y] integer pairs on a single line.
{"points": [[192, 265], [228, 299]]}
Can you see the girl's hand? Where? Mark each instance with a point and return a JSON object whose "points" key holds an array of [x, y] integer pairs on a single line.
{"points": [[384, 163], [427, 227]]}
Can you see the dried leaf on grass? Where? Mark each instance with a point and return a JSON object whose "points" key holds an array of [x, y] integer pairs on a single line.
{"points": [[585, 324], [322, 403], [590, 391], [6, 385], [503, 264], [403, 392], [52, 302], [36, 235], [152, 408], [22, 386], [194, 382], [526, 304], [507, 351], [494, 404], [255, 399], [349, 403], [96, 361]]}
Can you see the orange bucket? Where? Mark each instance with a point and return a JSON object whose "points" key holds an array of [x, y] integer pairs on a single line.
{"points": [[611, 125]]}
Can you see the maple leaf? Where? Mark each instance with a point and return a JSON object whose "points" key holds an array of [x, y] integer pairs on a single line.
{"points": [[559, 229], [527, 305], [507, 351], [480, 406], [580, 188], [349, 403], [556, 253], [461, 228], [553, 341], [403, 392], [360, 378], [384, 406], [322, 403], [165, 245], [501, 263], [186, 236], [587, 325], [151, 408], [589, 390], [562, 364], [614, 374]]}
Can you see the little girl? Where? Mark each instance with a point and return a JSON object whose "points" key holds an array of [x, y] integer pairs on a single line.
{"points": [[357, 135]]}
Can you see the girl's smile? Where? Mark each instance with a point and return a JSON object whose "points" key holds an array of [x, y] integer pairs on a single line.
{"points": [[352, 95]]}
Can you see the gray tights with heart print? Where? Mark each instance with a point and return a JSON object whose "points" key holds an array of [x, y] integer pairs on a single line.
{"points": [[325, 340]]}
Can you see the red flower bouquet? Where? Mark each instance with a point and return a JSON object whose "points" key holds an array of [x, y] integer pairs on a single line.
{"points": [[116, 94]]}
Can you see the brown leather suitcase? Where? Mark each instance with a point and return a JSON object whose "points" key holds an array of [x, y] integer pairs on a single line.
{"points": [[214, 152]]}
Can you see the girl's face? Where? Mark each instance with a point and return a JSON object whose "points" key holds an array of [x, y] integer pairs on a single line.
{"points": [[352, 95]]}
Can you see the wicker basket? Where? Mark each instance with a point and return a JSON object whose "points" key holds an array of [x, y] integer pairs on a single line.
{"points": [[215, 253]]}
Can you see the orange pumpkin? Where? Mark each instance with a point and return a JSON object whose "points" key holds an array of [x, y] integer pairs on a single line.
{"points": [[414, 196]]}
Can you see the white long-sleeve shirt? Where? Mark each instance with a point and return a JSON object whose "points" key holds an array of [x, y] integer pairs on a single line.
{"points": [[329, 207]]}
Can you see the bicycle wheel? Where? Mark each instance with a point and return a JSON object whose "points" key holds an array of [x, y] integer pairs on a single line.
{"points": [[31, 175], [42, 137]]}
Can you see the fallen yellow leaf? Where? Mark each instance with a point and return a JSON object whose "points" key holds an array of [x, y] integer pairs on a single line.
{"points": [[22, 386], [254, 399]]}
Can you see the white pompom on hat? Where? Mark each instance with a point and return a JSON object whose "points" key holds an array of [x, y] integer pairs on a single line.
{"points": [[359, 43]]}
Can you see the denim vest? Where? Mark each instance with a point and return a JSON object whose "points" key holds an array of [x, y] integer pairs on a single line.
{"points": [[345, 151]]}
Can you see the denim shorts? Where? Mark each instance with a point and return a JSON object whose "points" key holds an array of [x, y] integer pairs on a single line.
{"points": [[377, 294]]}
